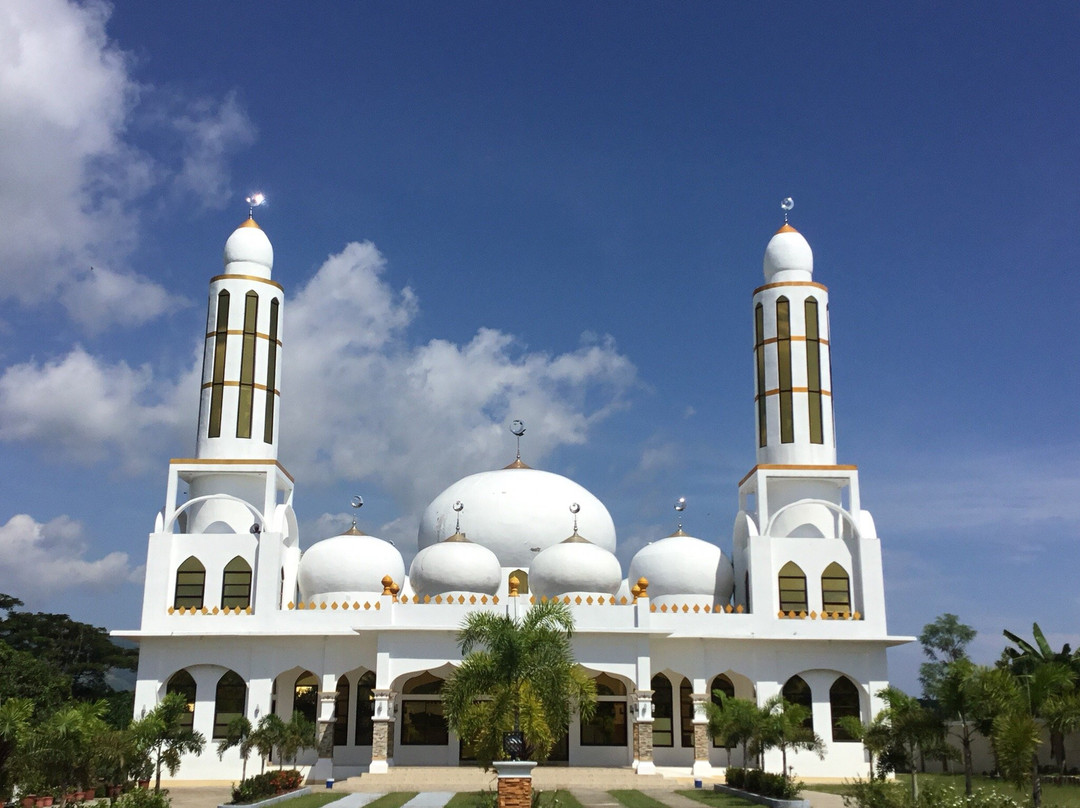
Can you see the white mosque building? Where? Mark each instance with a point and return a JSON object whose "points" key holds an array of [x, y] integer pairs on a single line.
{"points": [[241, 621]]}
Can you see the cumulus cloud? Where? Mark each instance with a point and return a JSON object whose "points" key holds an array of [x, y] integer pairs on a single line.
{"points": [[88, 410], [51, 556], [360, 400], [362, 403], [72, 172]]}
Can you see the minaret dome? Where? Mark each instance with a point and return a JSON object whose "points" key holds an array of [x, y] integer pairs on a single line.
{"points": [[788, 257], [248, 251]]}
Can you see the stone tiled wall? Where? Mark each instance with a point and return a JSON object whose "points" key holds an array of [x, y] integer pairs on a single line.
{"points": [[515, 792]]}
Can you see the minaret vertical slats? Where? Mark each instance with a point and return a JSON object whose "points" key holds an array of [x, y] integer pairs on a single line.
{"points": [[221, 344], [271, 373], [246, 399]]}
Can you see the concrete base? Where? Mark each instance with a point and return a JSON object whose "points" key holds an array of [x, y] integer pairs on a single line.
{"points": [[646, 767], [514, 768], [378, 767], [702, 768]]}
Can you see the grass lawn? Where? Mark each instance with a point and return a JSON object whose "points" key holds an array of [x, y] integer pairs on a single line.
{"points": [[715, 798], [314, 800], [393, 800], [487, 799], [1058, 796], [635, 799]]}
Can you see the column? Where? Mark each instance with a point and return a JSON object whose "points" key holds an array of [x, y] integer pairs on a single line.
{"points": [[324, 730], [702, 766], [382, 732], [643, 724]]}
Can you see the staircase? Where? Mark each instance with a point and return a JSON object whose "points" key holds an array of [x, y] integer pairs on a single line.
{"points": [[545, 778]]}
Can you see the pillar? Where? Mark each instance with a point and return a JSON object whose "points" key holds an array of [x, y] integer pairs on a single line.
{"points": [[702, 766], [324, 732], [382, 735], [643, 735], [515, 783]]}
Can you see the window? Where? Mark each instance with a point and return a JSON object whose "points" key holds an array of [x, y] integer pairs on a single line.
{"points": [[843, 701], [835, 590], [341, 712], [662, 711], [797, 691], [686, 713], [608, 725], [422, 721], [813, 370], [725, 686], [792, 588], [271, 373], [783, 366], [236, 584], [306, 696], [190, 583], [217, 385], [759, 360], [228, 702], [183, 683], [365, 708], [247, 367]]}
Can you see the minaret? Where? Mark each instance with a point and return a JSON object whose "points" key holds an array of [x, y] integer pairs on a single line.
{"points": [[793, 390], [238, 406]]}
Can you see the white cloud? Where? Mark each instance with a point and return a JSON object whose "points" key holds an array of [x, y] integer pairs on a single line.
{"points": [[50, 556], [72, 173], [360, 403], [89, 411]]}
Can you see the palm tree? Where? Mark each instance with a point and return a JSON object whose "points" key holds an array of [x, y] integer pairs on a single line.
{"points": [[733, 722], [873, 736], [164, 737], [519, 676], [298, 733], [911, 728], [15, 715], [266, 736], [237, 733], [785, 727]]}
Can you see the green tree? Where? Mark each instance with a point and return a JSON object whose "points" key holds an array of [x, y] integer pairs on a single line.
{"points": [[962, 703], [912, 730], [874, 737], [238, 733], [163, 736], [943, 641], [297, 733], [266, 736], [58, 754], [15, 715], [734, 722], [23, 675], [786, 726], [517, 675]]}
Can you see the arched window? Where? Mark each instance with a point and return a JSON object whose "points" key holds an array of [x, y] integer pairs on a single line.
{"points": [[813, 370], [759, 361], [236, 584], [190, 584], [835, 589], [721, 684], [843, 701], [422, 721], [306, 696], [783, 366], [217, 384], [662, 711], [608, 725], [523, 581], [246, 398], [229, 702], [271, 373], [341, 712], [183, 683], [365, 708], [792, 588], [797, 691], [686, 713]]}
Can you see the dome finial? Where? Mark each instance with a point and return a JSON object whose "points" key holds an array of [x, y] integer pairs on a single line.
{"points": [[255, 200], [458, 508], [787, 204], [680, 506], [574, 509], [517, 429]]}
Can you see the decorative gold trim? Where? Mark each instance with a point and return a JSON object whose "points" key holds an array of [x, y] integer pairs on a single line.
{"points": [[769, 341], [256, 385], [255, 278], [238, 333], [776, 391], [815, 284], [206, 461], [785, 228], [250, 222], [793, 467]]}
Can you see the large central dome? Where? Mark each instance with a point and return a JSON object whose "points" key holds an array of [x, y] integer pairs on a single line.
{"points": [[516, 512]]}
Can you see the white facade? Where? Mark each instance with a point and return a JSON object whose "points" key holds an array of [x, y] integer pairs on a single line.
{"points": [[234, 617]]}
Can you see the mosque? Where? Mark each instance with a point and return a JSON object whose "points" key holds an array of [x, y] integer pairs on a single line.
{"points": [[241, 622]]}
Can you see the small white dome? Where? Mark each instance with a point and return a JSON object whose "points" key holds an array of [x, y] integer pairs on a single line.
{"points": [[788, 257], [575, 565], [346, 566], [455, 565], [248, 251], [683, 569], [516, 512]]}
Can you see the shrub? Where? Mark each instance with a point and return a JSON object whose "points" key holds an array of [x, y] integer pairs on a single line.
{"points": [[144, 798], [763, 783], [260, 786], [736, 777]]}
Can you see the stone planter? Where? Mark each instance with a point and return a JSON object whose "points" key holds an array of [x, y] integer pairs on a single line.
{"points": [[773, 802]]}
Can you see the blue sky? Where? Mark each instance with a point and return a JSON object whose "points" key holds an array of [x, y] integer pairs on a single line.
{"points": [[554, 212]]}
